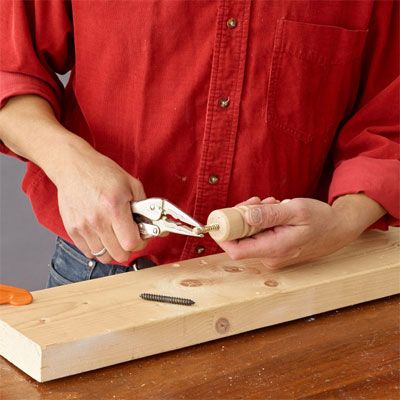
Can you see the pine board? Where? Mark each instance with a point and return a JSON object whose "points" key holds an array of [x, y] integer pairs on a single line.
{"points": [[93, 324]]}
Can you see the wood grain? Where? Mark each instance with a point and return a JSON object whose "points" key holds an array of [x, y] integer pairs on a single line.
{"points": [[351, 353], [88, 325]]}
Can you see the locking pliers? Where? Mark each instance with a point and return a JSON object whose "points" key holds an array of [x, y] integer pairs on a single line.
{"points": [[152, 214]]}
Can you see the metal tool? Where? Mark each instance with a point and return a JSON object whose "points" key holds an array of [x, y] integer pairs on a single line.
{"points": [[153, 217], [167, 299]]}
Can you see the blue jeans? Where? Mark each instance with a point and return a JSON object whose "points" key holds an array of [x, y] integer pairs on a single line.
{"points": [[69, 265]]}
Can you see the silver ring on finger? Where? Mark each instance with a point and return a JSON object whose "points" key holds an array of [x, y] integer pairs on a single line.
{"points": [[100, 253]]}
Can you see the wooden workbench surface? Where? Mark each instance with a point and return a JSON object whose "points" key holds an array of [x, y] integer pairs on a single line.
{"points": [[352, 353]]}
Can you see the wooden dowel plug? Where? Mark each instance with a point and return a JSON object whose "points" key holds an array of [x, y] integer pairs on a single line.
{"points": [[232, 224]]}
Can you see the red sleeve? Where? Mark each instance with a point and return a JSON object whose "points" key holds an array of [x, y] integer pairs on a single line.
{"points": [[367, 155], [36, 43]]}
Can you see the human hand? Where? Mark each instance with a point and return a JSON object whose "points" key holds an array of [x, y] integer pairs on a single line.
{"points": [[94, 195], [93, 191], [302, 229]]}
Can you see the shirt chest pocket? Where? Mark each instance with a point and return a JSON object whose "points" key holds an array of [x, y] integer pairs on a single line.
{"points": [[313, 79]]}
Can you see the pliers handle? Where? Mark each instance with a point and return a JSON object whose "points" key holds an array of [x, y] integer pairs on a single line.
{"points": [[152, 214]]}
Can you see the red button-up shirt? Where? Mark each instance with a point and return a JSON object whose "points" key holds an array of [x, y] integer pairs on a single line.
{"points": [[289, 99]]}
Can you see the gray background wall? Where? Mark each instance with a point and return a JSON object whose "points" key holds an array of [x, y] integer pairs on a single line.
{"points": [[25, 247]]}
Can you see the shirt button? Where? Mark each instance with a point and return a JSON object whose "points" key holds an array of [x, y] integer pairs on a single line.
{"points": [[213, 179], [200, 249], [231, 23], [224, 102]]}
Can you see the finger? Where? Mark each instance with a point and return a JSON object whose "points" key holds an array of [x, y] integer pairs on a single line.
{"points": [[127, 231], [269, 215], [137, 189], [81, 244], [111, 243], [251, 201], [283, 243], [239, 249], [275, 263], [270, 200], [95, 245]]}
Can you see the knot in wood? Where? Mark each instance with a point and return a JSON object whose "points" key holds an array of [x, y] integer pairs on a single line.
{"points": [[191, 282], [222, 326], [232, 268], [271, 283]]}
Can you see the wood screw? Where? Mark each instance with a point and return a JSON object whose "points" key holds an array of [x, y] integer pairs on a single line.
{"points": [[167, 299]]}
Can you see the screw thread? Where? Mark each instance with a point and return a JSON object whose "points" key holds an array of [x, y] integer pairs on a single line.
{"points": [[206, 228], [167, 299]]}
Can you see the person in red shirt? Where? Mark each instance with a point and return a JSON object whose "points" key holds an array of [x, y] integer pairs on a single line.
{"points": [[206, 104]]}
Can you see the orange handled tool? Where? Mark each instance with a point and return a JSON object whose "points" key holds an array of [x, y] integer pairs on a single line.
{"points": [[14, 296]]}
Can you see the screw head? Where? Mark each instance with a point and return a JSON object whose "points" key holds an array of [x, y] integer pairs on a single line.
{"points": [[198, 230]]}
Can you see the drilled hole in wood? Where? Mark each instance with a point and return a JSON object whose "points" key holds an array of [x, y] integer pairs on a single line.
{"points": [[271, 283]]}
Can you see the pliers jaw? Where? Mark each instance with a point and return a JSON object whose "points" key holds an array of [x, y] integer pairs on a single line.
{"points": [[151, 215]]}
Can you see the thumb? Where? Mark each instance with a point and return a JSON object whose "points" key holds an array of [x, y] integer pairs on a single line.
{"points": [[269, 215]]}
